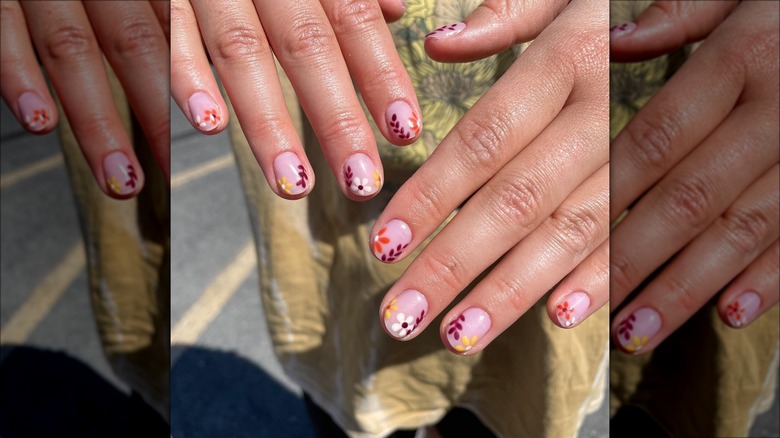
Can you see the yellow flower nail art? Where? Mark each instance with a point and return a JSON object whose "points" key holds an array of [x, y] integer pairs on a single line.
{"points": [[114, 185], [390, 307], [467, 343], [284, 185], [377, 179], [636, 344]]}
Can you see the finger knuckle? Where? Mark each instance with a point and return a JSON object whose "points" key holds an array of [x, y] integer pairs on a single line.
{"points": [[622, 275], [342, 125], [686, 297], [428, 200], [576, 230], [516, 201], [689, 201], [238, 41], [446, 269], [746, 230], [136, 39], [355, 15], [512, 291], [309, 37], [482, 140], [68, 41], [651, 137]]}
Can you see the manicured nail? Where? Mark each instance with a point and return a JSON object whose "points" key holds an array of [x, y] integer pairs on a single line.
{"points": [[391, 241], [405, 312], [204, 112], [619, 30], [290, 174], [403, 4], [572, 308], [638, 328], [35, 112], [467, 328], [446, 31], [361, 176], [402, 121], [121, 176], [743, 309]]}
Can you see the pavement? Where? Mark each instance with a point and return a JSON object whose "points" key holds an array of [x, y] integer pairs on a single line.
{"points": [[225, 378]]}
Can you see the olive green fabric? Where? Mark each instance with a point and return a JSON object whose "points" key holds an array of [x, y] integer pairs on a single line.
{"points": [[706, 379], [128, 261], [321, 287]]}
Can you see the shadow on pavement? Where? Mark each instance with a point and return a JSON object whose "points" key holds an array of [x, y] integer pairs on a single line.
{"points": [[216, 393], [49, 393]]}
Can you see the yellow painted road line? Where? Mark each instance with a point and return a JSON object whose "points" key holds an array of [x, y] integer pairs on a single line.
{"points": [[44, 297], [211, 166], [214, 298], [33, 169]]}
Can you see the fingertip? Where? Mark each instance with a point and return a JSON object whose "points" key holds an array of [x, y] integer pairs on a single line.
{"points": [[392, 10], [205, 114], [123, 178], [35, 113]]}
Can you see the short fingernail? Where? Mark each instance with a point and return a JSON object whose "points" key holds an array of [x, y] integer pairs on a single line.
{"points": [[121, 176], [571, 309], [743, 309], [638, 328], [204, 112], [291, 176], [392, 240], [403, 123], [405, 312], [446, 31], [35, 113], [467, 329], [619, 30], [361, 177]]}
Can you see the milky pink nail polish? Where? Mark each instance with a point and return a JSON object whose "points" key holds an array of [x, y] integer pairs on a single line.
{"points": [[204, 112], [392, 240], [619, 30], [121, 176], [361, 177], [571, 309], [446, 31], [637, 328], [290, 174], [467, 329], [405, 312], [402, 122], [743, 309], [35, 113]]}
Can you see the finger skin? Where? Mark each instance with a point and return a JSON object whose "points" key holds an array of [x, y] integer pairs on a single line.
{"points": [[375, 66], [22, 85], [304, 41], [236, 41], [131, 38], [162, 10], [705, 266], [754, 292], [193, 86], [666, 26], [582, 292], [64, 39]]}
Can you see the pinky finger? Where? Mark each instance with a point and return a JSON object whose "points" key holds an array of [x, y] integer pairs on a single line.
{"points": [[754, 291], [583, 291]]}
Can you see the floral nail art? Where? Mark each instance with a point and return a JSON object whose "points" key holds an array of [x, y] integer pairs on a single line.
{"points": [[405, 313], [743, 309], [636, 329], [403, 121], [34, 111], [565, 312], [291, 175], [361, 177], [466, 329], [392, 240], [446, 31], [572, 309], [204, 111], [621, 29], [121, 176]]}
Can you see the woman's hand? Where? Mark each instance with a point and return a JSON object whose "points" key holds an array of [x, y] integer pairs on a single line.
{"points": [[530, 162], [71, 39], [323, 45], [699, 166]]}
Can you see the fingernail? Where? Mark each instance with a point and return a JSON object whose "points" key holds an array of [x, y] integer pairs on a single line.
{"points": [[403, 123], [570, 311], [290, 174], [121, 176], [361, 176], [204, 112], [743, 309], [405, 312], [467, 329], [621, 29], [403, 4], [446, 31], [35, 112], [638, 328], [391, 241]]}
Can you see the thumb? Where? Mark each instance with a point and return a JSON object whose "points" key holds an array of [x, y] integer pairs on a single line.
{"points": [[664, 27]]}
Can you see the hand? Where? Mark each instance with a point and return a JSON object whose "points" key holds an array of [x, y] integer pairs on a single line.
{"points": [[699, 164], [70, 38], [323, 46], [530, 161]]}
